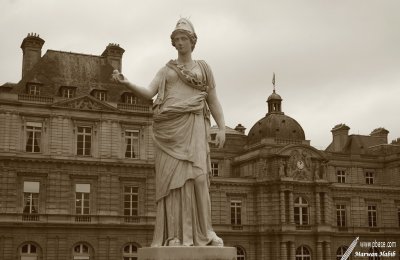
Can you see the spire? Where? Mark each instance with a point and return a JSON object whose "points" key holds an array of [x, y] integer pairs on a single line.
{"points": [[274, 100]]}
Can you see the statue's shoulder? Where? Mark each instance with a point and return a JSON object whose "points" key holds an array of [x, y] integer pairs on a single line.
{"points": [[203, 62]]}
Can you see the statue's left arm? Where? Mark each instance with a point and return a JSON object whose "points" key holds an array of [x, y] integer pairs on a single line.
{"points": [[218, 115]]}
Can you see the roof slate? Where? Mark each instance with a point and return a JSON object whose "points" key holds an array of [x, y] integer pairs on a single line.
{"points": [[85, 72]]}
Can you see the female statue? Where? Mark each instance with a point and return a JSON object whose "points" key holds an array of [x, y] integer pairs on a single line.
{"points": [[186, 94]]}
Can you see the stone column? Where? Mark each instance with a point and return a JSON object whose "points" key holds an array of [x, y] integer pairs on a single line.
{"points": [[328, 250], [282, 205], [283, 251], [319, 251], [326, 210], [292, 251], [291, 208], [317, 208]]}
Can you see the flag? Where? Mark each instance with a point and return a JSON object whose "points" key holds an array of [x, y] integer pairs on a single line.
{"points": [[273, 79]]}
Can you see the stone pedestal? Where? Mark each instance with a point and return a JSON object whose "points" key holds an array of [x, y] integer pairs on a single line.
{"points": [[187, 253]]}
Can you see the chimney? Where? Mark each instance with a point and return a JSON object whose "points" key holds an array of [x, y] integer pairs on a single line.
{"points": [[240, 128], [381, 133], [113, 53], [32, 51], [340, 134]]}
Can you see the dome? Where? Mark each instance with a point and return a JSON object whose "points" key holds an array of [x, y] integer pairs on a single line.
{"points": [[276, 125], [274, 96]]}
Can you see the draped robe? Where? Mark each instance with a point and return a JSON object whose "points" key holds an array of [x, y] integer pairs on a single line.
{"points": [[181, 131]]}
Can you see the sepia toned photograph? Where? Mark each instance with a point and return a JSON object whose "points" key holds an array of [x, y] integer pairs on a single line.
{"points": [[199, 130]]}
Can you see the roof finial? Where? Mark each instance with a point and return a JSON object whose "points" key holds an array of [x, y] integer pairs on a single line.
{"points": [[273, 81]]}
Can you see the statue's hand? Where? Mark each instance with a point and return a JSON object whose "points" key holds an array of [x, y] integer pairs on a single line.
{"points": [[220, 138], [118, 77]]}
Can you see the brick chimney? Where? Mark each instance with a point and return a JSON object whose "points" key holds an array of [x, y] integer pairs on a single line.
{"points": [[340, 134], [381, 133], [32, 51], [113, 53]]}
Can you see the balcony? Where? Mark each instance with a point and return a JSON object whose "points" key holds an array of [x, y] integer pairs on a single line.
{"points": [[30, 217], [134, 108], [303, 227], [34, 98], [237, 227], [75, 219], [84, 219], [132, 219]]}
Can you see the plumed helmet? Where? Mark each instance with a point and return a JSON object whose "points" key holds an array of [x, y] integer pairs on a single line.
{"points": [[185, 26]]}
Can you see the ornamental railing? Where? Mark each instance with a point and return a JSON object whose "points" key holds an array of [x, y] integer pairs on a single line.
{"points": [[133, 107], [35, 98], [77, 219], [30, 217]]}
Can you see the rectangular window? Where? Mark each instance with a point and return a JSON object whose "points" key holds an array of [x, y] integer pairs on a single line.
{"points": [[398, 216], [82, 199], [34, 90], [131, 201], [341, 215], [341, 176], [301, 216], [68, 92], [214, 169], [31, 197], [236, 212], [100, 95], [301, 211], [369, 177], [372, 216], [84, 141], [132, 144], [33, 137], [130, 99]]}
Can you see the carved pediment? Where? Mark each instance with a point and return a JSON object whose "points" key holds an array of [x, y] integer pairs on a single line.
{"points": [[85, 103], [302, 163]]}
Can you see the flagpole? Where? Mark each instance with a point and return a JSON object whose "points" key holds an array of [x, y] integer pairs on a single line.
{"points": [[273, 81]]}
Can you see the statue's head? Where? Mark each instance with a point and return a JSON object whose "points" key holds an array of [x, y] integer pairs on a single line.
{"points": [[186, 27]]}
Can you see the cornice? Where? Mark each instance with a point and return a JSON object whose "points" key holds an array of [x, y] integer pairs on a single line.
{"points": [[94, 161]]}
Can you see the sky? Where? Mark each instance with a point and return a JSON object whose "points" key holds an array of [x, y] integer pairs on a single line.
{"points": [[335, 61]]}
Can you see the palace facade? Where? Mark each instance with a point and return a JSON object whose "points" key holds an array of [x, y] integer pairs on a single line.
{"points": [[77, 173]]}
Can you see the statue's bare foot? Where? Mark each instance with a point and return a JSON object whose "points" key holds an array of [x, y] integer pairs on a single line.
{"points": [[217, 241], [174, 242]]}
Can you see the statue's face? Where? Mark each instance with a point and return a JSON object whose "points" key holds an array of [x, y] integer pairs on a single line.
{"points": [[182, 43]]}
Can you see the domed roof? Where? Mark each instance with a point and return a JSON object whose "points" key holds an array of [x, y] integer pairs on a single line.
{"points": [[276, 125], [274, 96]]}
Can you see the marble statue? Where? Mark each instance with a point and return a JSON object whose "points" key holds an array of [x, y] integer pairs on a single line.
{"points": [[186, 95]]}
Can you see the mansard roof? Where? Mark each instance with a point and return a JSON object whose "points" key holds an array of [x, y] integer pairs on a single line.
{"points": [[58, 69], [358, 144]]}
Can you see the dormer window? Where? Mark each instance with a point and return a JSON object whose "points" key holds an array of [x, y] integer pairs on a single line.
{"points": [[100, 95], [33, 89], [129, 98], [67, 92]]}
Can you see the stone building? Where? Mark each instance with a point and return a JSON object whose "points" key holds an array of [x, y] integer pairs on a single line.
{"points": [[77, 173]]}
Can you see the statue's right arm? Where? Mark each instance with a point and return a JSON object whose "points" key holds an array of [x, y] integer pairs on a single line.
{"points": [[147, 93]]}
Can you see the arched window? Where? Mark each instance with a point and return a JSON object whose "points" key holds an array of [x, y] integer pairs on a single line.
{"points": [[301, 211], [130, 252], [241, 253], [81, 251], [29, 252], [302, 253], [374, 251], [340, 252]]}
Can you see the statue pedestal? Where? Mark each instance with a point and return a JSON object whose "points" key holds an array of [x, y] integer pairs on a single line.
{"points": [[187, 253]]}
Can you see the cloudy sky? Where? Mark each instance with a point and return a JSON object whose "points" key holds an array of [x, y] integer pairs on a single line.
{"points": [[335, 61]]}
